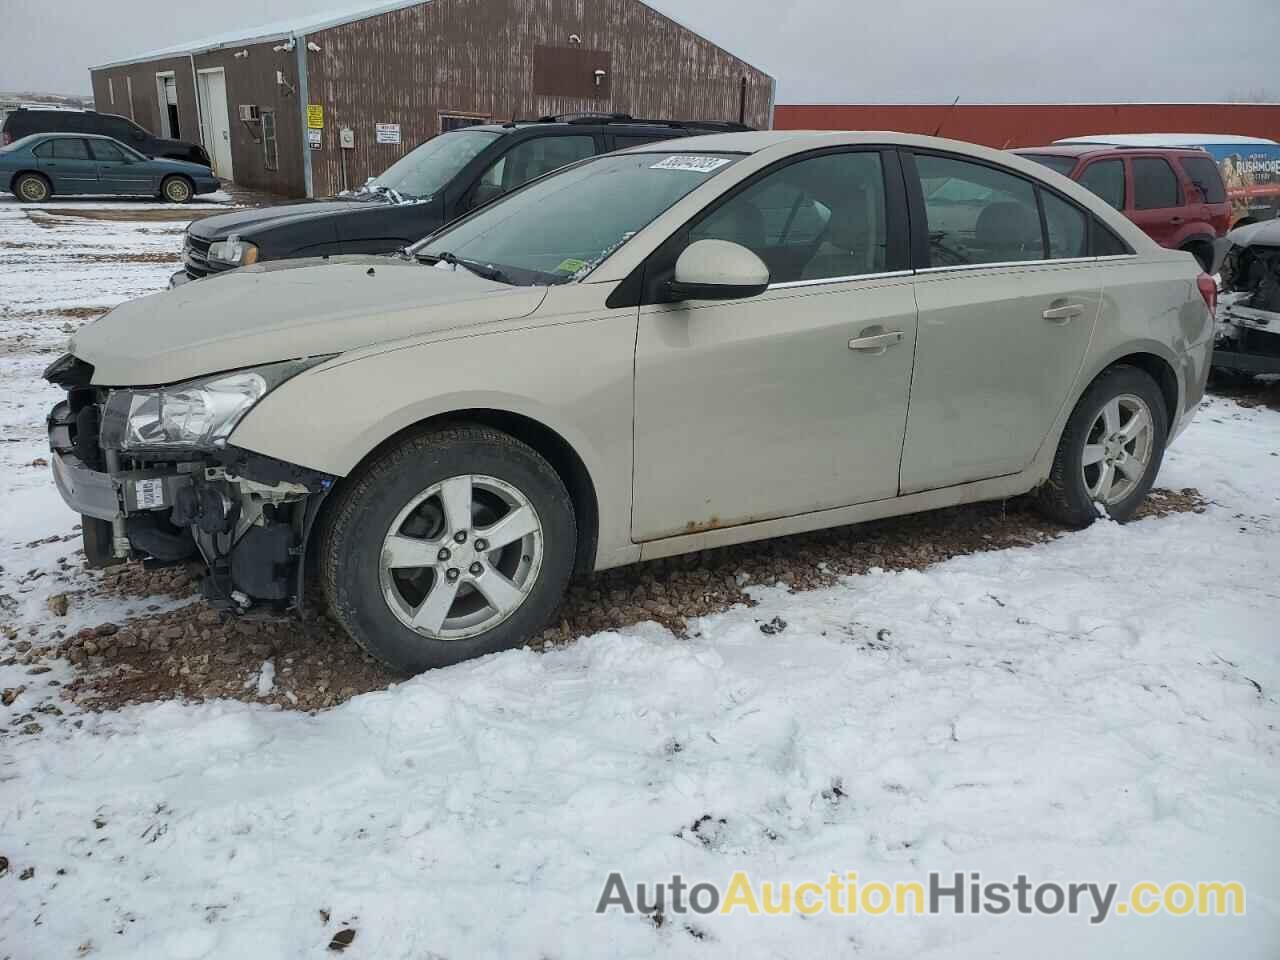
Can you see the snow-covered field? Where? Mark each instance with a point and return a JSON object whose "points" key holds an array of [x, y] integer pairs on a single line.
{"points": [[1102, 707]]}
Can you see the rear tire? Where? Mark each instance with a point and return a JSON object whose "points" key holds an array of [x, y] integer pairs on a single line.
{"points": [[403, 555], [32, 188], [1110, 451], [177, 189]]}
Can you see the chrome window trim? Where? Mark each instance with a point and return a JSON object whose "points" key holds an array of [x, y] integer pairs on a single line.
{"points": [[1026, 263], [793, 284]]}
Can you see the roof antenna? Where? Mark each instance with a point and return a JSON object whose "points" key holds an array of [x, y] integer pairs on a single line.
{"points": [[938, 129]]}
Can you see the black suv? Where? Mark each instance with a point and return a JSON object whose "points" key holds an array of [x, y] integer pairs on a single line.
{"points": [[24, 121], [431, 185]]}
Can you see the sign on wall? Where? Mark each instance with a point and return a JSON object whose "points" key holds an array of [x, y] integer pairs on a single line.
{"points": [[387, 132], [313, 139], [315, 116], [347, 138]]}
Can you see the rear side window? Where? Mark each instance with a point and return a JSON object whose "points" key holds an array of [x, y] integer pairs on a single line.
{"points": [[64, 148], [1067, 227], [1062, 165], [18, 124], [1154, 185], [1106, 179], [1203, 172], [1104, 243], [978, 214]]}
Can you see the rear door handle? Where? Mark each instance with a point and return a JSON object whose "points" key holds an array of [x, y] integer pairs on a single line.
{"points": [[878, 342], [1064, 313]]}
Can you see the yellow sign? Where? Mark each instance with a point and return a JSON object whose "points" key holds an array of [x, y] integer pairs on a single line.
{"points": [[315, 116]]}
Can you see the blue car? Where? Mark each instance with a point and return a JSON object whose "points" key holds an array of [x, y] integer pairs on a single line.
{"points": [[44, 164]]}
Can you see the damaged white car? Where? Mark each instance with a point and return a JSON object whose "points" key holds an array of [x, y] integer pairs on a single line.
{"points": [[1248, 339], [648, 353]]}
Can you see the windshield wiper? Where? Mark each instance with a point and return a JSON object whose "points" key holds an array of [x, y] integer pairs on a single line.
{"points": [[479, 269]]}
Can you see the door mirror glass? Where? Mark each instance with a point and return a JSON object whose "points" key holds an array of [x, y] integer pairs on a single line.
{"points": [[718, 270]]}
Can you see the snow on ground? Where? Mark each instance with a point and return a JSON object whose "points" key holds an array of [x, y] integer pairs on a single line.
{"points": [[1101, 707]]}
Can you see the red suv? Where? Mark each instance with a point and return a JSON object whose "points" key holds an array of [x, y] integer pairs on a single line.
{"points": [[1175, 195]]}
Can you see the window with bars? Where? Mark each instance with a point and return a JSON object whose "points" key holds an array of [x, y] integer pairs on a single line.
{"points": [[270, 154]]}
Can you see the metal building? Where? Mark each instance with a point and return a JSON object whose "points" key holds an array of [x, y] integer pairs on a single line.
{"points": [[271, 103]]}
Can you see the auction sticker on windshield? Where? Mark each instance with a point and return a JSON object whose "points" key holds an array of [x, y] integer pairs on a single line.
{"points": [[696, 164]]}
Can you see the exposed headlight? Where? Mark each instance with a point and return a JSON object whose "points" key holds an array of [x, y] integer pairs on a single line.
{"points": [[233, 251], [195, 415]]}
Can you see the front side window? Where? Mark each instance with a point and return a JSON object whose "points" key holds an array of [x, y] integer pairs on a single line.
{"points": [[1203, 172], [119, 128], [107, 152], [531, 159], [562, 227], [817, 219], [1154, 185], [977, 214], [421, 172], [456, 121], [1106, 179]]}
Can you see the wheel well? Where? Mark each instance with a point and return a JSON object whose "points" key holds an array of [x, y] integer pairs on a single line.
{"points": [[1159, 371], [557, 451]]}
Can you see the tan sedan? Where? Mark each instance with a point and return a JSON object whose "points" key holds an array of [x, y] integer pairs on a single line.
{"points": [[647, 353]]}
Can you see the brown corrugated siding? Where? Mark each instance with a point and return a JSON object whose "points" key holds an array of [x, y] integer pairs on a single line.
{"points": [[252, 80], [477, 56], [146, 103], [1024, 125]]}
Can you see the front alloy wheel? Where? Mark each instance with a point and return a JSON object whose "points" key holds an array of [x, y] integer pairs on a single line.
{"points": [[456, 542], [461, 557]]}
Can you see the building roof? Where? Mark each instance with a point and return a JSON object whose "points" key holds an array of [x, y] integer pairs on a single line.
{"points": [[311, 23], [278, 30]]}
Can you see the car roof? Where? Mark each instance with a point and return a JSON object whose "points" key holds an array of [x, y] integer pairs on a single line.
{"points": [[1166, 139], [587, 123], [1091, 149]]}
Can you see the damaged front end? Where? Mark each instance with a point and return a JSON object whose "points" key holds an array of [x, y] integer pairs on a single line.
{"points": [[151, 473], [1248, 334]]}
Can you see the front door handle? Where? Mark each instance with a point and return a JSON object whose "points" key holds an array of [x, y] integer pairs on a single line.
{"points": [[877, 342], [1064, 313]]}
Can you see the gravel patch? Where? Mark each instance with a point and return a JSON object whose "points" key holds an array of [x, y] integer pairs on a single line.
{"points": [[197, 653]]}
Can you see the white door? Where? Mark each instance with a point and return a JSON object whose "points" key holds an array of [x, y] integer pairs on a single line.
{"points": [[215, 125]]}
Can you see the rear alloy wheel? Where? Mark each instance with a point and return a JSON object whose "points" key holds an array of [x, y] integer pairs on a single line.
{"points": [[1110, 451], [176, 189], [455, 543], [32, 188]]}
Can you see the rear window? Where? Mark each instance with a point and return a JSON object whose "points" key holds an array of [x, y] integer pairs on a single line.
{"points": [[1062, 165], [1203, 172], [1154, 185]]}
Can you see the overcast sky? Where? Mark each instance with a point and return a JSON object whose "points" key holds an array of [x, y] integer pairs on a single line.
{"points": [[819, 50]]}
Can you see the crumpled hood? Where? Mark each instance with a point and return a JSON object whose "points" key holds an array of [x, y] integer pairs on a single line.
{"points": [[285, 309]]}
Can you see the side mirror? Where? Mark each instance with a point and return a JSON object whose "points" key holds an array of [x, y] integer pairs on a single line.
{"points": [[718, 270]]}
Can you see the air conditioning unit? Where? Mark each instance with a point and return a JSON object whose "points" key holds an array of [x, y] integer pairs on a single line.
{"points": [[249, 113]]}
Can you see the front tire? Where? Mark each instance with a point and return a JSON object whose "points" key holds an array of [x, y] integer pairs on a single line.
{"points": [[32, 188], [1110, 451], [452, 544], [177, 189]]}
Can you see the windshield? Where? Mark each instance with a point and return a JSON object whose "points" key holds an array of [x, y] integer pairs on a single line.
{"points": [[424, 170], [563, 226], [1058, 164]]}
